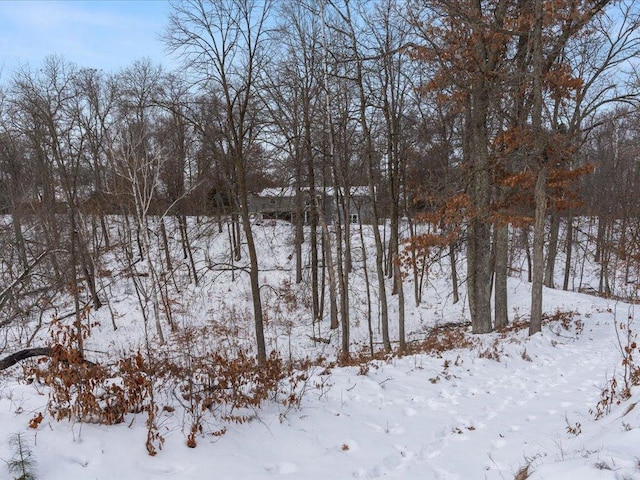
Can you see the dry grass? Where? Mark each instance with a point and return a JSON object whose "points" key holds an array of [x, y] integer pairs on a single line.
{"points": [[523, 473]]}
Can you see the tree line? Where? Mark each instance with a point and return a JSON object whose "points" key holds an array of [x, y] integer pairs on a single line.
{"points": [[471, 124]]}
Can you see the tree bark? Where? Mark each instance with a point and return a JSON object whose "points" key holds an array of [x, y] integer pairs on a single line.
{"points": [[569, 252], [454, 272], [19, 238], [11, 360], [14, 358], [552, 250], [298, 222], [254, 270], [540, 195], [479, 270], [397, 275], [501, 271], [186, 246], [331, 272]]}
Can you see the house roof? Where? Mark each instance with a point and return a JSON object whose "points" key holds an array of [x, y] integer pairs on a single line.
{"points": [[283, 192]]}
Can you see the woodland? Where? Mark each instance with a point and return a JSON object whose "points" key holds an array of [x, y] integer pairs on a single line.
{"points": [[497, 139]]}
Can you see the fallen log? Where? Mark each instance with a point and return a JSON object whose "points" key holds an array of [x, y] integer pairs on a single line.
{"points": [[319, 339], [14, 358]]}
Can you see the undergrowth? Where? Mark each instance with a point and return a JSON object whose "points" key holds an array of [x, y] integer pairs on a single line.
{"points": [[618, 388], [213, 388], [444, 338], [209, 388]]}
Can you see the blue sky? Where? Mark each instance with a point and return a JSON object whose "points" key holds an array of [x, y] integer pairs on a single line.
{"points": [[107, 35]]}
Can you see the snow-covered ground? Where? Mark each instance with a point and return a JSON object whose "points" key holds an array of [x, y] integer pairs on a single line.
{"points": [[481, 412]]}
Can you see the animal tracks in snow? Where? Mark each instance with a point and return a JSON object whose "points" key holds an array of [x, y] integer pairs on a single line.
{"points": [[285, 468], [488, 417]]}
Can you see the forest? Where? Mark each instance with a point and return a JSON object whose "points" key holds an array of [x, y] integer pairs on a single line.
{"points": [[495, 140]]}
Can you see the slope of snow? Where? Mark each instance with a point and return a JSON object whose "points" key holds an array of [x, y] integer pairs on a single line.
{"points": [[483, 412]]}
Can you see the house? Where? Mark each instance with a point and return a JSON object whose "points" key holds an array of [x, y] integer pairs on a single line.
{"points": [[280, 203]]}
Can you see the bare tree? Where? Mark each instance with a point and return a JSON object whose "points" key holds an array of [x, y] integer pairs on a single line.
{"points": [[49, 101], [174, 132], [355, 58], [137, 161], [223, 43], [391, 35], [295, 103]]}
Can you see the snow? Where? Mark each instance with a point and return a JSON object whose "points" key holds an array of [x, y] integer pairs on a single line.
{"points": [[450, 415]]}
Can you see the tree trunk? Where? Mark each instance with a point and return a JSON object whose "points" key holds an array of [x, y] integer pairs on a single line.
{"points": [[165, 244], [343, 271], [254, 272], [313, 213], [75, 286], [397, 275], [19, 238], [569, 252], [331, 273], [540, 196], [367, 283], [186, 246], [527, 249], [105, 231], [552, 250], [454, 272], [540, 189], [236, 237], [417, 293], [313, 245], [604, 286], [602, 227], [479, 270], [298, 225], [501, 272]]}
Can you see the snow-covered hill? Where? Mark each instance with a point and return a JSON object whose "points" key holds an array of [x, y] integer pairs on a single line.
{"points": [[486, 411]]}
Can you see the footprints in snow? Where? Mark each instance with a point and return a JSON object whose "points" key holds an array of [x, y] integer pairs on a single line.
{"points": [[285, 468], [390, 428], [515, 394], [397, 460]]}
